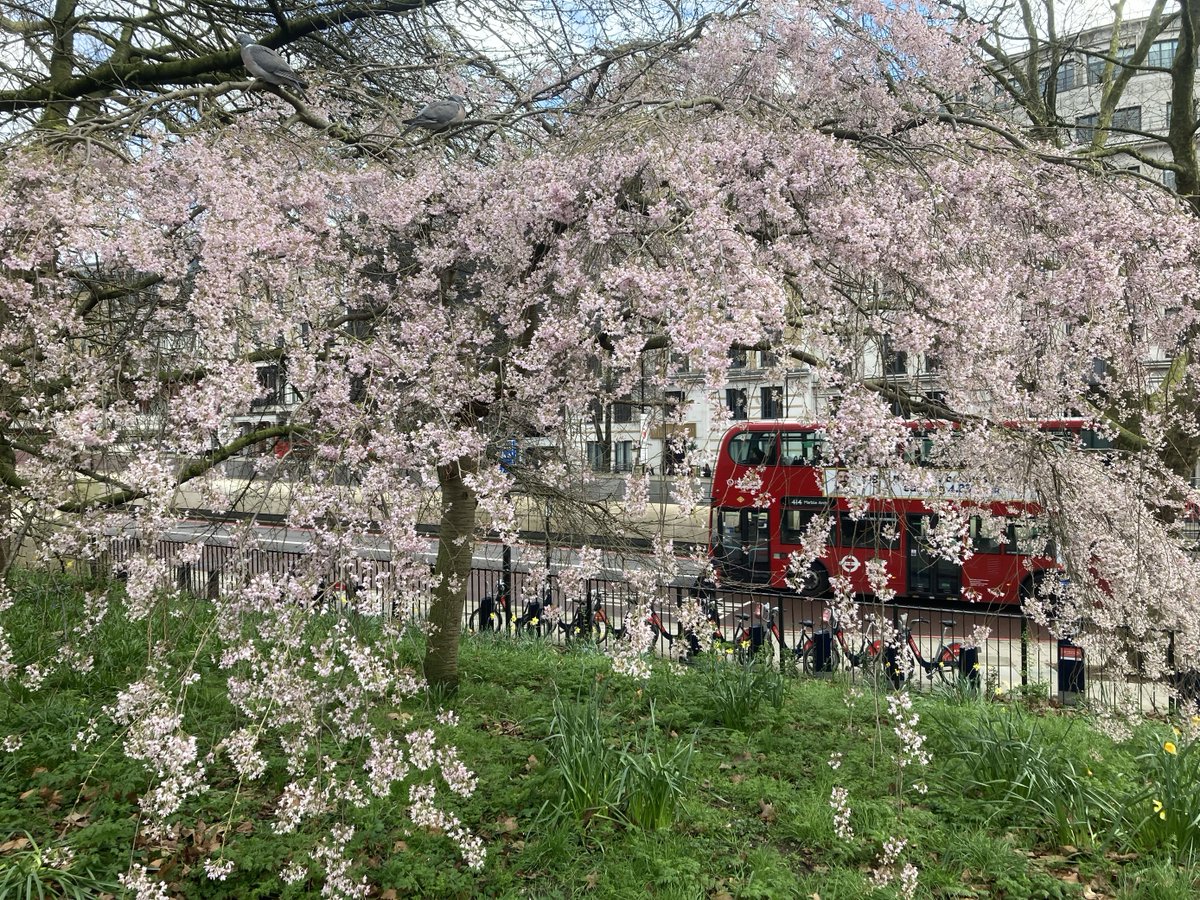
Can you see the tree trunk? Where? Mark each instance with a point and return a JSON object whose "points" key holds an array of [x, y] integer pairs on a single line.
{"points": [[456, 545]]}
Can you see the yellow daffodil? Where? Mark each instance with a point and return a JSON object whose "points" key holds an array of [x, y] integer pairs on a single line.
{"points": [[1169, 746]]}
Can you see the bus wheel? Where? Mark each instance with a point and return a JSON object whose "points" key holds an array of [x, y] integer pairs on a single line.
{"points": [[816, 581]]}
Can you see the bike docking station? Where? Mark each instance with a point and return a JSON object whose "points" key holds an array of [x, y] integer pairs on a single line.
{"points": [[968, 667], [822, 648], [1071, 677]]}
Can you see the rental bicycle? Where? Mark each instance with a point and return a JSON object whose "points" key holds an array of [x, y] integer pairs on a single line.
{"points": [[941, 664], [863, 653], [654, 619], [534, 619], [589, 619], [494, 613]]}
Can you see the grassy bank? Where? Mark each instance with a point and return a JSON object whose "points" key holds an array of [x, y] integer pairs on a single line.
{"points": [[716, 781]]}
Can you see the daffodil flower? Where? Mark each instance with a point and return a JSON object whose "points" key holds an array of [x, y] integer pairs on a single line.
{"points": [[1169, 746]]}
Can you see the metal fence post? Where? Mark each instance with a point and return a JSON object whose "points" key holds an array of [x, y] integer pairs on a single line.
{"points": [[1024, 651]]}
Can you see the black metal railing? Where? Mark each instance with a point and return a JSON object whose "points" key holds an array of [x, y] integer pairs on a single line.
{"points": [[1016, 655]]}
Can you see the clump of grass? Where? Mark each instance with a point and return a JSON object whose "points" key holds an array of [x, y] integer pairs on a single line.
{"points": [[640, 784], [1020, 773], [656, 778], [738, 691], [34, 871], [1163, 813]]}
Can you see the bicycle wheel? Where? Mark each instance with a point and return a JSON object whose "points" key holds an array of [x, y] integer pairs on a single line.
{"points": [[808, 660], [946, 666]]}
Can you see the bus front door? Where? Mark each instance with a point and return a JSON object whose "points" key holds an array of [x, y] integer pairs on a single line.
{"points": [[742, 544], [929, 575]]}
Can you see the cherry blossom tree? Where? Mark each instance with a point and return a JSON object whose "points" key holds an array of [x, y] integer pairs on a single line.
{"points": [[785, 179]]}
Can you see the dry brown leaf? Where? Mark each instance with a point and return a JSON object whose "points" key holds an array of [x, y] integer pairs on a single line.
{"points": [[19, 843], [27, 794], [737, 778], [389, 894], [766, 811], [532, 763], [399, 847], [591, 879], [508, 825], [40, 770], [245, 828]]}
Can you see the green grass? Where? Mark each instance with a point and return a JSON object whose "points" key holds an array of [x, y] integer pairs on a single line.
{"points": [[709, 782]]}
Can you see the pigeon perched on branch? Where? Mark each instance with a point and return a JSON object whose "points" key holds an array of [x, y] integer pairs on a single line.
{"points": [[264, 63], [438, 115]]}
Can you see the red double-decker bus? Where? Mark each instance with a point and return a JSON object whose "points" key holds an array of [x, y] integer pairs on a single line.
{"points": [[773, 478]]}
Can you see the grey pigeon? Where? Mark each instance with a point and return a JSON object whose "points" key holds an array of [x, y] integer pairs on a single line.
{"points": [[263, 62], [438, 115]]}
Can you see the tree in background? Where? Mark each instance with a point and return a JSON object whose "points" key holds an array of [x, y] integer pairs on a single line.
{"points": [[1036, 52]]}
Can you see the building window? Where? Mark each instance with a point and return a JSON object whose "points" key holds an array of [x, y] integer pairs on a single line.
{"points": [[595, 455], [1128, 118], [674, 401], [735, 400], [622, 412], [738, 359], [767, 359], [894, 362], [772, 402], [1064, 76], [1085, 128], [1162, 53], [622, 456], [1096, 64]]}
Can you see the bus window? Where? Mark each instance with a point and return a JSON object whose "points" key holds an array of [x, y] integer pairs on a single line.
{"points": [[981, 542], [794, 519], [753, 448], [874, 530], [801, 448], [919, 449], [1091, 439], [1027, 539]]}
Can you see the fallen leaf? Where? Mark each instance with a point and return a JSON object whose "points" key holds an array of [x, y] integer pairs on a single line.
{"points": [[591, 879], [766, 811], [19, 843], [245, 828], [725, 765], [399, 847], [508, 825], [38, 770], [532, 763], [737, 778], [27, 794], [389, 894]]}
